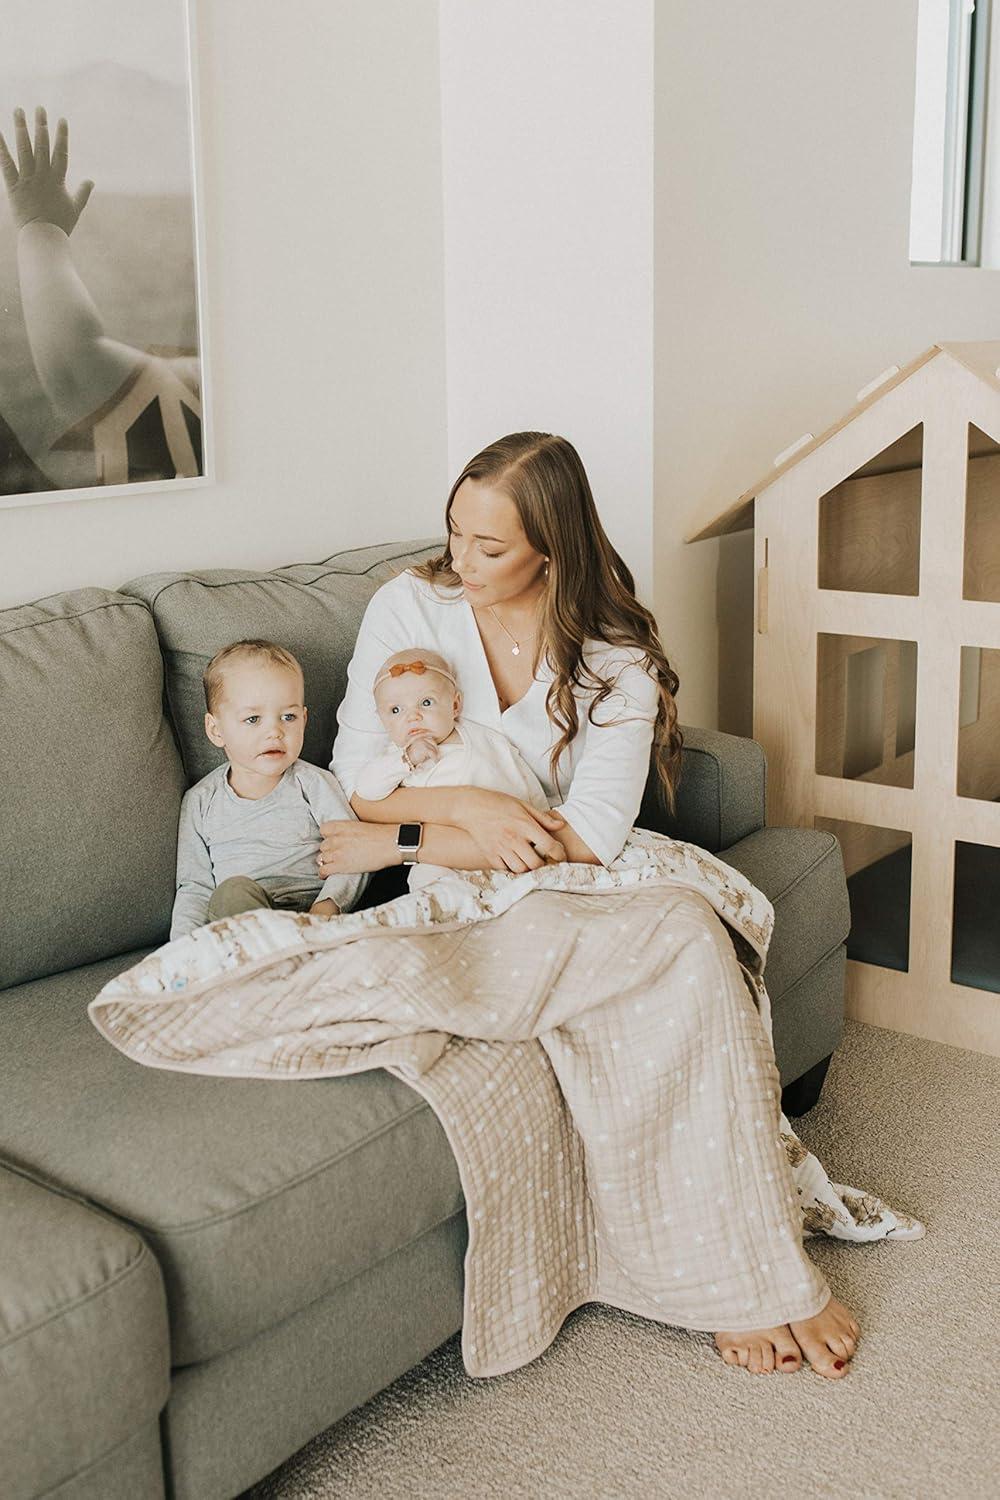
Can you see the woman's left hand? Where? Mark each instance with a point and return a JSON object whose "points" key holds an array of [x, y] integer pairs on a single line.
{"points": [[351, 848]]}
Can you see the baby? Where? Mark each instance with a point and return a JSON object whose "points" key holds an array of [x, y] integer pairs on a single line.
{"points": [[249, 830], [418, 701]]}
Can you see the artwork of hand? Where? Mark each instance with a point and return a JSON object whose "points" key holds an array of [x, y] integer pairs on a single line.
{"points": [[36, 182]]}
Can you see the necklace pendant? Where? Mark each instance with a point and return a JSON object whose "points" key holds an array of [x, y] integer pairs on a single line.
{"points": [[515, 650]]}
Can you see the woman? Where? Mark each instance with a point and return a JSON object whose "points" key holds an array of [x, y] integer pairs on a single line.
{"points": [[537, 613]]}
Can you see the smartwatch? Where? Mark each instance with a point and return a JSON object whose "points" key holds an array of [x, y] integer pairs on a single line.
{"points": [[408, 838]]}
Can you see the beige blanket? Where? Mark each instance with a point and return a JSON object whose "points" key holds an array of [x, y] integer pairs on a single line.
{"points": [[596, 1044]]}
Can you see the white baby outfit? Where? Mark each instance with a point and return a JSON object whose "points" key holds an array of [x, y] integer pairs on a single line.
{"points": [[478, 756]]}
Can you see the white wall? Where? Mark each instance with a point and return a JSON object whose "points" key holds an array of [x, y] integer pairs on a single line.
{"points": [[547, 127], [784, 140], [322, 189]]}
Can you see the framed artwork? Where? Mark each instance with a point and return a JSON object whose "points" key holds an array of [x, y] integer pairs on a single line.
{"points": [[102, 358]]}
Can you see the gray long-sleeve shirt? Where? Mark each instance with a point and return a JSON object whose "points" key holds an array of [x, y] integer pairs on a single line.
{"points": [[272, 839]]}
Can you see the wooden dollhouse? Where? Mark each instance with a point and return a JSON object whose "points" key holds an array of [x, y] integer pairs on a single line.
{"points": [[877, 679]]}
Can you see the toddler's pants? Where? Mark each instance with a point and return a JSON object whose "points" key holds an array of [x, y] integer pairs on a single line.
{"points": [[240, 893]]}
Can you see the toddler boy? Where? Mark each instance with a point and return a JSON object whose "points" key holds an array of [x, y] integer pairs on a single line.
{"points": [[249, 830]]}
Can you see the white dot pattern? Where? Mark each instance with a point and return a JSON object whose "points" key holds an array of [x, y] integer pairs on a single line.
{"points": [[613, 1107]]}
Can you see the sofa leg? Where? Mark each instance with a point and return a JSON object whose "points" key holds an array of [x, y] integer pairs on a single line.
{"points": [[799, 1097]]}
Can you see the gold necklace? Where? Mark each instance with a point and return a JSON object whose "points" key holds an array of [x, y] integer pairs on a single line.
{"points": [[515, 650]]}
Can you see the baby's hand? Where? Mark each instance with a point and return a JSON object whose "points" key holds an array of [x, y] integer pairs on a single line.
{"points": [[324, 908], [421, 749]]}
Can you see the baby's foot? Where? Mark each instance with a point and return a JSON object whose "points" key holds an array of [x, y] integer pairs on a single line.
{"points": [[761, 1352], [828, 1340]]}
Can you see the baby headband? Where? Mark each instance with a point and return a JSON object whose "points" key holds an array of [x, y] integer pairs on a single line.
{"points": [[419, 667]]}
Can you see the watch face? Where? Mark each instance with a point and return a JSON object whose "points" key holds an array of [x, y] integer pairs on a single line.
{"points": [[408, 836]]}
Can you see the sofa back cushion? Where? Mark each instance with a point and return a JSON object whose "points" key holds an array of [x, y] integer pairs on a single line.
{"points": [[312, 609], [90, 786]]}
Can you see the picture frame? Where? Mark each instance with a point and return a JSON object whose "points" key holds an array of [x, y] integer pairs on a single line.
{"points": [[104, 387]]}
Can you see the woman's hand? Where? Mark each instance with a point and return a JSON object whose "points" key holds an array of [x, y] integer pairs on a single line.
{"points": [[36, 182], [352, 848], [512, 835]]}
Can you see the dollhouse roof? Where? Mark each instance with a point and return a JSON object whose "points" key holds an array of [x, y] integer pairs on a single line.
{"points": [[983, 359]]}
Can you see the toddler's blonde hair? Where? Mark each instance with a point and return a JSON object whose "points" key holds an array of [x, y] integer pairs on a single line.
{"points": [[214, 676]]}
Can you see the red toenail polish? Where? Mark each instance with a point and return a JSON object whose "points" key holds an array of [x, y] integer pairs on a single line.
{"points": [[788, 1359], [838, 1364]]}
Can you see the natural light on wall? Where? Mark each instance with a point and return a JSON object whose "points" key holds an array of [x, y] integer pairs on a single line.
{"points": [[954, 213]]}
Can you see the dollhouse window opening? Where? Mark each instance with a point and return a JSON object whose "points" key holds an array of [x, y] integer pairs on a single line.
{"points": [[878, 865], [866, 706], [869, 523], [981, 573], [975, 931]]}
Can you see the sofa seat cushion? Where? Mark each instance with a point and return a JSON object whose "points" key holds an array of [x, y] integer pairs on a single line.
{"points": [[801, 871], [91, 784], [84, 1348], [256, 1197], [312, 609]]}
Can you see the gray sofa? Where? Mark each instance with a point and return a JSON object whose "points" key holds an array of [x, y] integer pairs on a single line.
{"points": [[198, 1275]]}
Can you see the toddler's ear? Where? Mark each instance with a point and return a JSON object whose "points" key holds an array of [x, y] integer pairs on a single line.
{"points": [[305, 715], [213, 731], [457, 707]]}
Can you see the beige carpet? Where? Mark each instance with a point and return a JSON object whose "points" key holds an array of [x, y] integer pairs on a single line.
{"points": [[622, 1407]]}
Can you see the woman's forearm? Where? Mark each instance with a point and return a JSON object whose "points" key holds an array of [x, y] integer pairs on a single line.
{"points": [[577, 852], [423, 804], [450, 847], [439, 845]]}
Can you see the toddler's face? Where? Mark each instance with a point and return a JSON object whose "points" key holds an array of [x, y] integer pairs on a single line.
{"points": [[417, 703], [260, 721]]}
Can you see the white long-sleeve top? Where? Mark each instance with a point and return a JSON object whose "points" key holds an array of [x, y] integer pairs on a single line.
{"points": [[602, 772], [273, 839]]}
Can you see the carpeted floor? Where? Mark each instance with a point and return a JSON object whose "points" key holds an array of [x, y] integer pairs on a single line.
{"points": [[623, 1407]]}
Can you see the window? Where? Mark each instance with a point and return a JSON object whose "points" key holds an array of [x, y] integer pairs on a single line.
{"points": [[950, 200]]}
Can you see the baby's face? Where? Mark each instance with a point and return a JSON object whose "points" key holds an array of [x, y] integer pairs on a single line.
{"points": [[417, 703]]}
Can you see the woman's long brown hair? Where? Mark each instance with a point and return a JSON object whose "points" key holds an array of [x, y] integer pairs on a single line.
{"points": [[589, 592]]}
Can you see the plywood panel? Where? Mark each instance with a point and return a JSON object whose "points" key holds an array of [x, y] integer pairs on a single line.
{"points": [[869, 534], [945, 398], [785, 655], [982, 530], [951, 1013]]}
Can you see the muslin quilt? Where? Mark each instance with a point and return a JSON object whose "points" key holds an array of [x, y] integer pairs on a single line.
{"points": [[596, 1045]]}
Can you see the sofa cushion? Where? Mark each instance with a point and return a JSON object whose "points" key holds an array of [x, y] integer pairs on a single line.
{"points": [[720, 799], [84, 1351], [312, 609], [91, 783], [256, 1197], [801, 871]]}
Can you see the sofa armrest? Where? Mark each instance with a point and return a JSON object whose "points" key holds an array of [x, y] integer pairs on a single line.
{"points": [[720, 799]]}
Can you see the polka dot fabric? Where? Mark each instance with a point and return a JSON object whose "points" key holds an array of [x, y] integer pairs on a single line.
{"points": [[596, 1045]]}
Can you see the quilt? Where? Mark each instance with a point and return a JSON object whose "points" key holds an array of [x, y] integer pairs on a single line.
{"points": [[596, 1043]]}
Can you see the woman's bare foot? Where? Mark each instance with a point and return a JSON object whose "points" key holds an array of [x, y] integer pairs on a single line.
{"points": [[761, 1352], [828, 1340]]}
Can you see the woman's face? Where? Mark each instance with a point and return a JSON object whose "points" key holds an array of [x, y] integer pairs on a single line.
{"points": [[489, 549]]}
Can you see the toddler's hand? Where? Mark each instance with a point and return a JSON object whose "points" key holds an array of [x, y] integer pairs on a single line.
{"points": [[324, 908], [36, 182], [421, 749]]}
